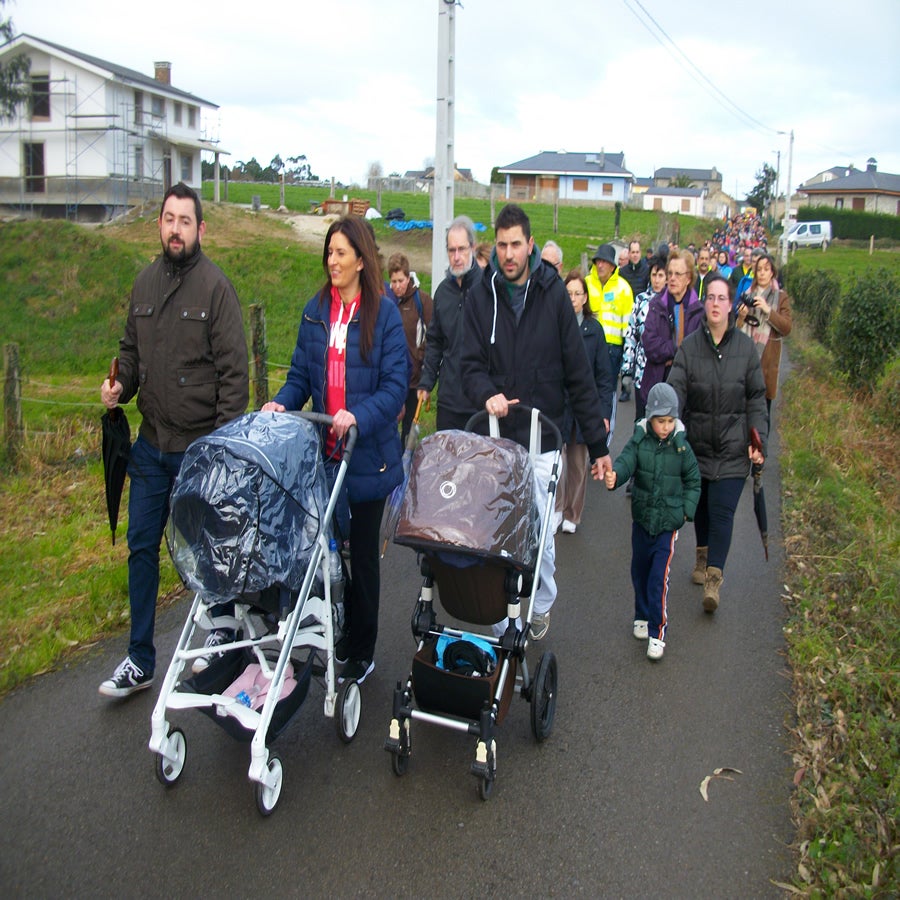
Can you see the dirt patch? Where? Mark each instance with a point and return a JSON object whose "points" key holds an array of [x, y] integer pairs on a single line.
{"points": [[230, 225]]}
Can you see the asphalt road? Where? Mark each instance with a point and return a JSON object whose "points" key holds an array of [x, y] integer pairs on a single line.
{"points": [[608, 806]]}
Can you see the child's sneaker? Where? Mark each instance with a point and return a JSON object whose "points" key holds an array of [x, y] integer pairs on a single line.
{"points": [[640, 629], [655, 648], [215, 638]]}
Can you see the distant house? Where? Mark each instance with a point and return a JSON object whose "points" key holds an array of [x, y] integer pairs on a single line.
{"points": [[869, 191], [640, 186], [675, 200], [709, 180], [828, 175], [554, 174], [97, 138]]}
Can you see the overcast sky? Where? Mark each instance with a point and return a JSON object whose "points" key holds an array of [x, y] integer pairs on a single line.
{"points": [[350, 82]]}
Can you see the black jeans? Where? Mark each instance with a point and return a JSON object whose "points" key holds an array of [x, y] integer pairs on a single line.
{"points": [[714, 519], [361, 604]]}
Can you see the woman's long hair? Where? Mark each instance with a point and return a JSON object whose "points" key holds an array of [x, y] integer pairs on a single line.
{"points": [[361, 239]]}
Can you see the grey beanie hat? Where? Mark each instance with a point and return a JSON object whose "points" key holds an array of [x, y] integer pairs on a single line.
{"points": [[607, 253], [662, 401]]}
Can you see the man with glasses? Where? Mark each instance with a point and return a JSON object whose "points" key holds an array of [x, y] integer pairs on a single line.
{"points": [[444, 338]]}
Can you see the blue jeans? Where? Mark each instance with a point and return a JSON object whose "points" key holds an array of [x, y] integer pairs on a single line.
{"points": [[152, 475]]}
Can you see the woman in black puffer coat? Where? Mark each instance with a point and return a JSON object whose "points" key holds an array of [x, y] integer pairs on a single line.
{"points": [[722, 395]]}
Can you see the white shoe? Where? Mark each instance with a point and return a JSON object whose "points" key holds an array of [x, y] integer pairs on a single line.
{"points": [[540, 625], [568, 527], [655, 648], [640, 630]]}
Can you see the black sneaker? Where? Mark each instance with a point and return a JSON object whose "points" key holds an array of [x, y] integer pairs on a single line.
{"points": [[624, 396], [342, 650], [215, 638], [356, 670], [127, 679]]}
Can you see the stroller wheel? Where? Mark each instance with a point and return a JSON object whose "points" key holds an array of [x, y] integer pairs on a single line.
{"points": [[348, 709], [267, 797], [400, 751], [543, 697], [170, 763], [485, 788]]}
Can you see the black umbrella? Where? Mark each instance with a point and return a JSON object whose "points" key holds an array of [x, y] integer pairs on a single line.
{"points": [[759, 495], [116, 448]]}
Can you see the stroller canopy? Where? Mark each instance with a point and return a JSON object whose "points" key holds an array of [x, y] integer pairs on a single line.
{"points": [[473, 494], [248, 506]]}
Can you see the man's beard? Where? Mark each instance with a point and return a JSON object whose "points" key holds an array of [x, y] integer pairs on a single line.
{"points": [[458, 273], [182, 254]]}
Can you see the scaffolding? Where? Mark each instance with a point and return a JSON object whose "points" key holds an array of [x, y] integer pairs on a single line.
{"points": [[134, 142]]}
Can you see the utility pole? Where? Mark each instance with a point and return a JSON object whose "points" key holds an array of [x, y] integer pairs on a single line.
{"points": [[442, 189], [787, 201], [777, 178]]}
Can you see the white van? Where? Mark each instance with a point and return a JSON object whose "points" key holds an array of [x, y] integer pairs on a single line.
{"points": [[809, 234]]}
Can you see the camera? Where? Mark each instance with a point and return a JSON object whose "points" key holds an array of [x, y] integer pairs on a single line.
{"points": [[748, 300]]}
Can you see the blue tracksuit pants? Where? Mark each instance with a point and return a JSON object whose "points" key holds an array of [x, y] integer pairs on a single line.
{"points": [[651, 559]]}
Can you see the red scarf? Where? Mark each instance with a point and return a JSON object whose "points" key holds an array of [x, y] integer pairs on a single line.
{"points": [[336, 360]]}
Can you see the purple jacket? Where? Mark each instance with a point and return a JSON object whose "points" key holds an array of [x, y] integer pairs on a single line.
{"points": [[658, 338]]}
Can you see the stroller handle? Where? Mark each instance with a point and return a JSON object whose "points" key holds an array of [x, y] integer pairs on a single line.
{"points": [[520, 408], [325, 419]]}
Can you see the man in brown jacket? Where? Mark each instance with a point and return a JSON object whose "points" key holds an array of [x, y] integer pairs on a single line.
{"points": [[184, 354]]}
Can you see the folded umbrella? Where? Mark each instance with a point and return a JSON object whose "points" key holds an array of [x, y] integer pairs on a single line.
{"points": [[759, 494], [391, 515], [115, 449]]}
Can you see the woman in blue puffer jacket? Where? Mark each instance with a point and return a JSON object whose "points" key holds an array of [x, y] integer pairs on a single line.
{"points": [[351, 359]]}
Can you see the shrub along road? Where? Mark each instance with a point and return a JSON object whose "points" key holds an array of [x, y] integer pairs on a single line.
{"points": [[610, 805]]}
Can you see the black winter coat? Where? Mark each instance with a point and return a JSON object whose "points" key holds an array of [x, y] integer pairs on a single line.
{"points": [[538, 361], [444, 343], [721, 395]]}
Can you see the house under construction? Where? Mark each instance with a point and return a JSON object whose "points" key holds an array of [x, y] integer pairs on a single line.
{"points": [[96, 138]]}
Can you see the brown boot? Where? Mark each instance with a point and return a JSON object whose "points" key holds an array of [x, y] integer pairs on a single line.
{"points": [[698, 576], [711, 589]]}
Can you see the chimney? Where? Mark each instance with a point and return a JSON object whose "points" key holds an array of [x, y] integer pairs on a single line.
{"points": [[871, 164], [163, 72]]}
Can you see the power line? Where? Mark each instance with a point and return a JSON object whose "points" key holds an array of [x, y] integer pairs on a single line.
{"points": [[699, 77]]}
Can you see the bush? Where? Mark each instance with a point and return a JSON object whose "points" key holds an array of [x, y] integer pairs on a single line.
{"points": [[886, 400], [816, 295], [850, 225], [867, 328]]}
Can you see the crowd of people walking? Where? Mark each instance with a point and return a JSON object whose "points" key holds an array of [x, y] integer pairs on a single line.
{"points": [[695, 336]]}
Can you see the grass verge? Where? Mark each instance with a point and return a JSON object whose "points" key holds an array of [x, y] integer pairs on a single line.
{"points": [[839, 470]]}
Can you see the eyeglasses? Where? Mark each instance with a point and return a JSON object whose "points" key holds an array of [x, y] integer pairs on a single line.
{"points": [[671, 274], [577, 294], [718, 298]]}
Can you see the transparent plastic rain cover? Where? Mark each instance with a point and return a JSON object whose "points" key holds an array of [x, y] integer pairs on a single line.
{"points": [[471, 493], [247, 506]]}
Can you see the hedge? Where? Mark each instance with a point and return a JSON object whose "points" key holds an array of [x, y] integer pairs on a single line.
{"points": [[850, 225]]}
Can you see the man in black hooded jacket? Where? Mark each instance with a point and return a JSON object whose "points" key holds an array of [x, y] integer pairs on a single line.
{"points": [[522, 344]]}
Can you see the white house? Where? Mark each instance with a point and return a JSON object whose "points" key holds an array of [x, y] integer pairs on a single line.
{"points": [[97, 138], [869, 191], [675, 200], [557, 174]]}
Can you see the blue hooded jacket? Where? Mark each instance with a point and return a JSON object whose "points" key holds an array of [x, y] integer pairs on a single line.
{"points": [[375, 391]]}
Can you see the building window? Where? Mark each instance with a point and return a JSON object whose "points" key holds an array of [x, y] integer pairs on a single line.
{"points": [[138, 163], [177, 113], [138, 107], [192, 117], [607, 188], [158, 107], [859, 204], [35, 182], [657, 203], [685, 205], [40, 97], [838, 202], [580, 184], [187, 168]]}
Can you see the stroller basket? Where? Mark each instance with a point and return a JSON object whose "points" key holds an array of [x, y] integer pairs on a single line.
{"points": [[223, 671]]}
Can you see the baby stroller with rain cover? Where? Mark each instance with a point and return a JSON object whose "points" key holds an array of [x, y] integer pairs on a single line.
{"points": [[471, 513], [250, 522]]}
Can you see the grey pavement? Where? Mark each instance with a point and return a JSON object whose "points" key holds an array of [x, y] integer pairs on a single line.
{"points": [[608, 806]]}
